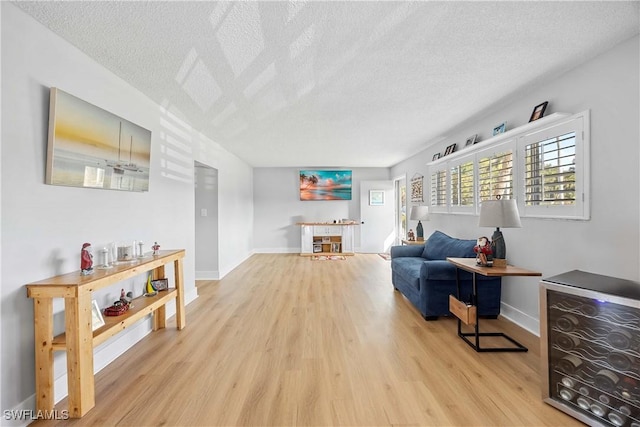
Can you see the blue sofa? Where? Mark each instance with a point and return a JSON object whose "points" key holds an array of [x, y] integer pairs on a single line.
{"points": [[424, 276]]}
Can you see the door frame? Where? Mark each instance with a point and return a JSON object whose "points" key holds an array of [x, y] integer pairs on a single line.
{"points": [[400, 208]]}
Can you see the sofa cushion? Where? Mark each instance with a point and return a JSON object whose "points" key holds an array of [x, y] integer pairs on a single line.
{"points": [[409, 269], [440, 246]]}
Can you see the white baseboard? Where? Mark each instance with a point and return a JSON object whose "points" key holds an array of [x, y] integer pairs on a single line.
{"points": [[520, 318], [104, 354], [228, 270], [208, 275], [277, 251]]}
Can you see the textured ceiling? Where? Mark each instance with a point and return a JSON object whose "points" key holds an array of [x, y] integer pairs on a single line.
{"points": [[335, 83]]}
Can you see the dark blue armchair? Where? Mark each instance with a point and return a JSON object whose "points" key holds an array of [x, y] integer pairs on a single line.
{"points": [[424, 276]]}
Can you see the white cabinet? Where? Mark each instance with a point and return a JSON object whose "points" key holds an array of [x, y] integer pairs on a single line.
{"points": [[347, 239], [326, 239], [327, 230], [307, 239]]}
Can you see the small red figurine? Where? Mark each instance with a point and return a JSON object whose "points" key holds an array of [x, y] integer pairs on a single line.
{"points": [[483, 249], [156, 248], [86, 259]]}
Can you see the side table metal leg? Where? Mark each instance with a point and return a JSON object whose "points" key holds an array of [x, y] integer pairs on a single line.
{"points": [[458, 296], [474, 301]]}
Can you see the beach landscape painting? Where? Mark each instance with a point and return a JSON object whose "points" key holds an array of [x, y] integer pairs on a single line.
{"points": [[93, 148], [325, 185]]}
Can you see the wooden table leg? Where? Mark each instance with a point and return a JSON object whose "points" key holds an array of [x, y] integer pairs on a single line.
{"points": [[180, 314], [159, 320], [43, 334], [79, 338]]}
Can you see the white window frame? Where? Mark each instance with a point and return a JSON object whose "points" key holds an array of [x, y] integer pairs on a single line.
{"points": [[438, 208], [470, 210], [517, 139], [580, 209], [508, 145]]}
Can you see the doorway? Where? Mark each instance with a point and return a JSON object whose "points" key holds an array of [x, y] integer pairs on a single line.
{"points": [[206, 222]]}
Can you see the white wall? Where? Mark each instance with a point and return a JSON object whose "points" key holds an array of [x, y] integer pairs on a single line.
{"points": [[278, 206], [44, 226], [608, 243]]}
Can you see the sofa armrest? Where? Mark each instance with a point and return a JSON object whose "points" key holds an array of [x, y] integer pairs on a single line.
{"points": [[407, 251], [438, 270]]}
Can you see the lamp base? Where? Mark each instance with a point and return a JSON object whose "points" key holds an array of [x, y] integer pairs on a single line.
{"points": [[419, 231], [499, 262], [497, 245]]}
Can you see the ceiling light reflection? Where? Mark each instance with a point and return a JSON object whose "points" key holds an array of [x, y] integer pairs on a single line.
{"points": [[261, 81], [240, 36]]}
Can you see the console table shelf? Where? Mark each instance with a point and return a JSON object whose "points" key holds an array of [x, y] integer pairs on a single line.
{"points": [[141, 307], [79, 339]]}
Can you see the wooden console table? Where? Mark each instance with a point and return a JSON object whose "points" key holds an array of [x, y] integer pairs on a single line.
{"points": [[469, 313], [78, 340]]}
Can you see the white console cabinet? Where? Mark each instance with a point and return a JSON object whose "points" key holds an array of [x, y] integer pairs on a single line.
{"points": [[326, 238]]}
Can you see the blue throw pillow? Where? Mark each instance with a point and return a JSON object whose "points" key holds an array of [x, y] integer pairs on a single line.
{"points": [[441, 246]]}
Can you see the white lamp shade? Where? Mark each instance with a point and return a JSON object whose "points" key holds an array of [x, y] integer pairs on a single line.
{"points": [[499, 213], [419, 213]]}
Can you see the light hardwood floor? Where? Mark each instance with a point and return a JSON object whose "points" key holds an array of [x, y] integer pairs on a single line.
{"points": [[283, 340]]}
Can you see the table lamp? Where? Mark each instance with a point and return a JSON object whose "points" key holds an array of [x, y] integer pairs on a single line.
{"points": [[419, 213], [499, 213]]}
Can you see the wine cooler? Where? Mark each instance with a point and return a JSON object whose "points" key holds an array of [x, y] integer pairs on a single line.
{"points": [[590, 347]]}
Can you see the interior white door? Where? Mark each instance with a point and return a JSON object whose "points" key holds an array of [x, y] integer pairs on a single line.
{"points": [[377, 231]]}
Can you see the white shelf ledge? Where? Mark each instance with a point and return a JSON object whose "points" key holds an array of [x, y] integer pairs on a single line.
{"points": [[535, 125]]}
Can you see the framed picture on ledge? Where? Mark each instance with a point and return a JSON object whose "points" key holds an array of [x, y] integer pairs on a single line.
{"points": [[538, 111], [471, 140], [501, 128]]}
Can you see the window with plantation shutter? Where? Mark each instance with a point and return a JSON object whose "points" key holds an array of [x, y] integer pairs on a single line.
{"points": [[495, 175], [439, 188], [550, 171], [553, 165], [462, 188]]}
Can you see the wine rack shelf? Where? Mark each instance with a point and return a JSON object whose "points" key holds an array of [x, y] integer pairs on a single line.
{"points": [[590, 341]]}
